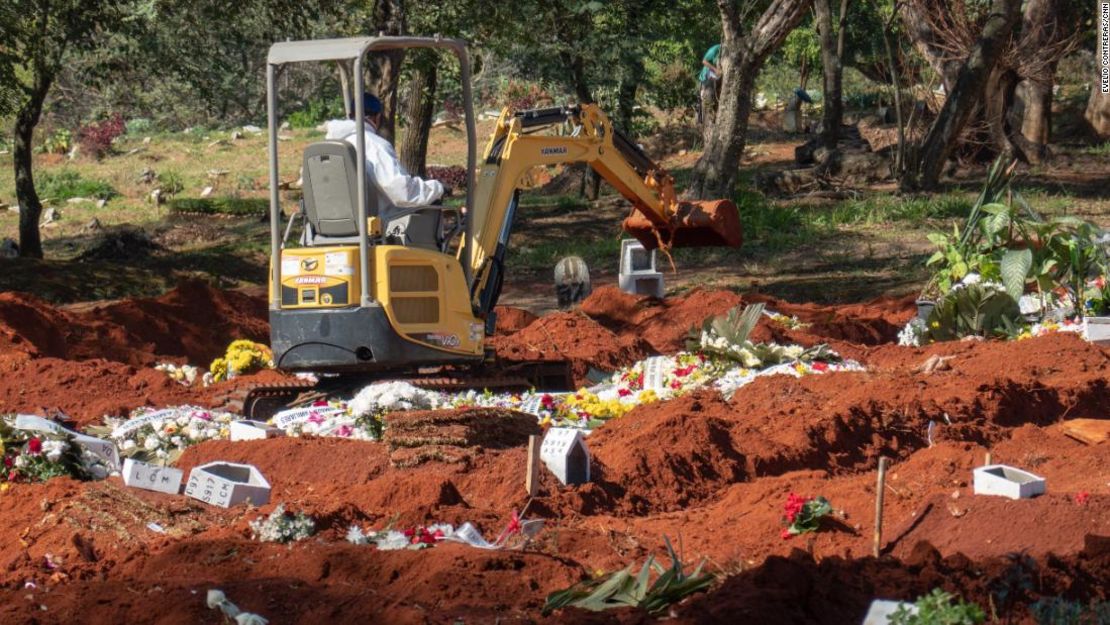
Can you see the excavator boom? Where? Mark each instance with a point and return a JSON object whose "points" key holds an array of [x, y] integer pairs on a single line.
{"points": [[659, 219]]}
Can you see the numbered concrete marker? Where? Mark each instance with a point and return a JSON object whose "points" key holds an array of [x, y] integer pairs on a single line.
{"points": [[1007, 481], [227, 484], [565, 453], [247, 430], [152, 477]]}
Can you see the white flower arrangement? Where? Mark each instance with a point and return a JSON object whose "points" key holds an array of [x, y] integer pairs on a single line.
{"points": [[186, 375], [166, 433], [280, 527], [389, 396], [913, 333]]}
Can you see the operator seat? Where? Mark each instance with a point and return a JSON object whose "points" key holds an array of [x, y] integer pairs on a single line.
{"points": [[331, 202]]}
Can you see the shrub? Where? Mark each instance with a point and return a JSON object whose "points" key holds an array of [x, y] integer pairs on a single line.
{"points": [[170, 183], [96, 138], [68, 183], [220, 206], [58, 142], [316, 112], [139, 125]]}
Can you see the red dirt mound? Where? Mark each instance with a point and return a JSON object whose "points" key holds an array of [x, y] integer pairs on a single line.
{"points": [[573, 337], [511, 319], [192, 323], [662, 323], [799, 589]]}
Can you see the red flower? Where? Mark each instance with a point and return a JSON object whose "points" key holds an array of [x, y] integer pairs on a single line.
{"points": [[34, 446], [684, 371], [820, 366], [12, 475], [320, 403], [8, 462], [1081, 498], [547, 401], [623, 392], [794, 505], [786, 534], [675, 384]]}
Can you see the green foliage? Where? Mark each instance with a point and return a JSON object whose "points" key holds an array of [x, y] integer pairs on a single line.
{"points": [[58, 142], [220, 206], [623, 589], [170, 182], [316, 112], [937, 608], [68, 183], [139, 125], [973, 310]]}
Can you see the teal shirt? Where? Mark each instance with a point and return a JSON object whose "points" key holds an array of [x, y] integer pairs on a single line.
{"points": [[711, 56]]}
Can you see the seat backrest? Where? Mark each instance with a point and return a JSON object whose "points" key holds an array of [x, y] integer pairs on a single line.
{"points": [[330, 189]]}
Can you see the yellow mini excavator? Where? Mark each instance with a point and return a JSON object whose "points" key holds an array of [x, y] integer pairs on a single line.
{"points": [[358, 295]]}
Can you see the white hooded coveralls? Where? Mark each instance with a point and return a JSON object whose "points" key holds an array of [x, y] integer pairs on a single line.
{"points": [[396, 188]]}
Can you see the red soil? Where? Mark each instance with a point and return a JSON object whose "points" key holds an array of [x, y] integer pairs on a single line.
{"points": [[709, 472]]}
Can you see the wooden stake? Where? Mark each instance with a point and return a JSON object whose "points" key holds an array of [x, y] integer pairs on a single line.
{"points": [[879, 492], [988, 458], [532, 479]]}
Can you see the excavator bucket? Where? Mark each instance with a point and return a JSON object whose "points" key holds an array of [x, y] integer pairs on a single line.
{"points": [[712, 223]]}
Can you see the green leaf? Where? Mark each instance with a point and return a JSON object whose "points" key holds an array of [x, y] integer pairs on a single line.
{"points": [[1015, 268]]}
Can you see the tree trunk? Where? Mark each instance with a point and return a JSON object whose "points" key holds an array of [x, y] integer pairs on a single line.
{"points": [[1098, 106], [30, 207], [418, 109], [742, 56], [1036, 113], [833, 109], [963, 97], [385, 67]]}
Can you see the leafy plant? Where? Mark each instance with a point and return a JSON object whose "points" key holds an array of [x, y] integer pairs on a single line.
{"points": [[727, 337], [138, 125], [973, 310], [68, 183], [623, 589], [171, 183], [315, 113], [937, 608], [58, 142]]}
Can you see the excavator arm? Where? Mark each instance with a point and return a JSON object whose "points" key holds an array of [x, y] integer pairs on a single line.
{"points": [[659, 219]]}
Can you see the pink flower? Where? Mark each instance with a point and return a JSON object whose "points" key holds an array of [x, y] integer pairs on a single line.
{"points": [[623, 392], [203, 416], [820, 366], [344, 430], [34, 446], [786, 534], [12, 475], [315, 418], [8, 462], [675, 384], [1082, 497]]}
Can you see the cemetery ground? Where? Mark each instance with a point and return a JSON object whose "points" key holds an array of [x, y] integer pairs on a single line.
{"points": [[80, 334]]}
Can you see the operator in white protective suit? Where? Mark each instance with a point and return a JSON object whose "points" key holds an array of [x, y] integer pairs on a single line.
{"points": [[397, 189]]}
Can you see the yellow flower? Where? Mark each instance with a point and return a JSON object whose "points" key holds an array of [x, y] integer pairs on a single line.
{"points": [[4, 487], [935, 324]]}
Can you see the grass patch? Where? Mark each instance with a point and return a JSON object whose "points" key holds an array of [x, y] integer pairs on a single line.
{"points": [[68, 183], [239, 206]]}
